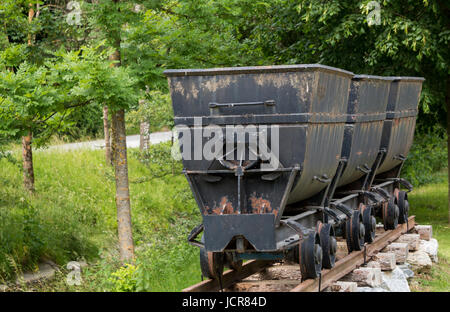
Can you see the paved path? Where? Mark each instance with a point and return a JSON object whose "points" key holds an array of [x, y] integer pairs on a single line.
{"points": [[132, 141]]}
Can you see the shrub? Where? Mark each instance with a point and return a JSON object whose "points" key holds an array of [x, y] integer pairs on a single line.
{"points": [[428, 155], [124, 279], [159, 160], [156, 109], [83, 122]]}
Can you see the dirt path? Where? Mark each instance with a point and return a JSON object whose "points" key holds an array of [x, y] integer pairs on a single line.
{"points": [[132, 142]]}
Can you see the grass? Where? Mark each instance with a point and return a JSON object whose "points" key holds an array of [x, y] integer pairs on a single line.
{"points": [[72, 216], [429, 203]]}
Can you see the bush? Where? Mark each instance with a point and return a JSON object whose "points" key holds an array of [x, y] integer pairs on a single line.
{"points": [[167, 262], [73, 215], [156, 109], [159, 160], [124, 279], [83, 122], [29, 235], [428, 155]]}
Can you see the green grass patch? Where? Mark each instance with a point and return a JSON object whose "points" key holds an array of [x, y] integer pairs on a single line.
{"points": [[429, 203], [72, 215]]}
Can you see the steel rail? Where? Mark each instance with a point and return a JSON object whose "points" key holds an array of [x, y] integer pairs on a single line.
{"points": [[328, 277]]}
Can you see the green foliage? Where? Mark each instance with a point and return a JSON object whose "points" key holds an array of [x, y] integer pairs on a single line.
{"points": [[39, 98], [47, 69], [412, 39], [83, 123], [88, 74], [167, 262], [155, 109], [427, 156], [26, 95], [73, 215], [8, 156], [158, 159], [124, 279]]}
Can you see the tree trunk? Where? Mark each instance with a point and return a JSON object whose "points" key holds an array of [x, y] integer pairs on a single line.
{"points": [[126, 245], [144, 132], [447, 102], [27, 156], [107, 137], [30, 19]]}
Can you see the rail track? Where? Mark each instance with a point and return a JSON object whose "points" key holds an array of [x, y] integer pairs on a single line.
{"points": [[343, 266]]}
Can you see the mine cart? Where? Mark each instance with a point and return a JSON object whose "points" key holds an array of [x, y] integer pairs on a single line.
{"points": [[282, 159]]}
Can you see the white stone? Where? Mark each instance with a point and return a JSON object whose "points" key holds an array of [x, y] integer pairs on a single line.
{"points": [[386, 260], [420, 261], [370, 289], [365, 277], [46, 271], [400, 250], [430, 247], [406, 268], [395, 281], [341, 286], [425, 231], [373, 264], [412, 240]]}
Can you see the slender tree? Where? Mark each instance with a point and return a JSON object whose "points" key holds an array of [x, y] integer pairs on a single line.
{"points": [[108, 156], [27, 151], [126, 244], [447, 101], [144, 131]]}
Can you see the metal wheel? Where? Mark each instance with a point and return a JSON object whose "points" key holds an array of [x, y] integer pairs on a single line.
{"points": [[390, 214], [369, 221], [403, 206], [310, 256], [328, 244], [211, 263], [355, 232]]}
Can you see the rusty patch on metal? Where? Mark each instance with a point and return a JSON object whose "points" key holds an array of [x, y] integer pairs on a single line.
{"points": [[225, 207], [261, 205]]}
